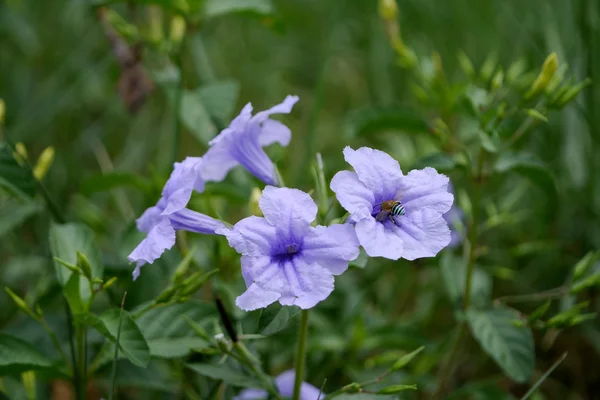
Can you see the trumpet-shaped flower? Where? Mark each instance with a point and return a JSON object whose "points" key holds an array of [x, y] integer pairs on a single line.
{"points": [[420, 230], [242, 144], [285, 386], [454, 218], [285, 258], [169, 215]]}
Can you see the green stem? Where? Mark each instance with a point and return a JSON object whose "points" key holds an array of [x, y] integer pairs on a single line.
{"points": [[301, 354], [54, 339], [76, 377], [249, 359], [80, 333], [446, 368], [473, 230], [176, 107], [539, 296], [113, 375]]}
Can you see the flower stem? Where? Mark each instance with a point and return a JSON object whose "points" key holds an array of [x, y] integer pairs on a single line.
{"points": [[81, 356], [249, 359], [301, 354]]}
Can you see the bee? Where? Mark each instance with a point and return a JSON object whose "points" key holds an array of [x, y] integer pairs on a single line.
{"points": [[390, 209]]}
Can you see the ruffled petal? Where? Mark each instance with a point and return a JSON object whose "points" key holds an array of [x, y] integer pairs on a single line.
{"points": [[256, 297], [193, 221], [285, 107], [285, 385], [307, 283], [425, 188], [160, 238], [218, 161], [352, 194], [331, 247], [149, 219], [377, 170], [274, 132], [424, 233], [252, 236], [185, 178], [290, 210], [378, 239]]}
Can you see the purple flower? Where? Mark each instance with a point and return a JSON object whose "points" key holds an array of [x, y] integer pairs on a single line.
{"points": [[283, 257], [454, 218], [285, 385], [419, 230], [168, 215], [243, 141]]}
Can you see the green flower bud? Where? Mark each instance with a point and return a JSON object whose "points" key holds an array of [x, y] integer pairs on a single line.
{"points": [[84, 264], [397, 389], [253, 203], [388, 10], [20, 303], [405, 359], [465, 63], [44, 163], [548, 69]]}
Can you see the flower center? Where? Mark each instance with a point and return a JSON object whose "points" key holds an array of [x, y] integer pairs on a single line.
{"points": [[291, 249]]}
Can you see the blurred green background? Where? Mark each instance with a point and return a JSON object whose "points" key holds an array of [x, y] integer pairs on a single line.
{"points": [[59, 81]]}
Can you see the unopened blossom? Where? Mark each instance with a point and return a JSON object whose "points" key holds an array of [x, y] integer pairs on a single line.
{"points": [[420, 230], [169, 214], [242, 144], [285, 386], [286, 259]]}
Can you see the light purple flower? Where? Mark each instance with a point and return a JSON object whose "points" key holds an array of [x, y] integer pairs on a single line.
{"points": [[168, 215], [454, 218], [285, 385], [283, 257], [420, 232], [243, 141]]}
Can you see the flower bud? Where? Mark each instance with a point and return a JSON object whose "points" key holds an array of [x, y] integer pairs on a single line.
{"points": [[253, 203], [572, 92], [20, 153], [497, 80], [465, 63], [71, 267], [536, 114], [388, 10], [177, 29], [109, 283], [405, 359], [196, 281], [19, 302], [44, 162], [84, 264], [548, 69], [2, 111], [353, 387], [397, 389]]}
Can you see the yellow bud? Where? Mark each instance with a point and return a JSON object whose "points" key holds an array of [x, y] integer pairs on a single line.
{"points": [[253, 204], [2, 111], [548, 69], [388, 10], [20, 153], [29, 384], [44, 162], [177, 29]]}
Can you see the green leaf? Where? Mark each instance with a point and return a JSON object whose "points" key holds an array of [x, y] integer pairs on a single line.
{"points": [[72, 293], [132, 343], [65, 241], [226, 374], [213, 8], [14, 212], [585, 264], [373, 120], [15, 178], [510, 346], [195, 116], [490, 142], [361, 260], [114, 179], [167, 332], [275, 318], [530, 167], [220, 99], [17, 356]]}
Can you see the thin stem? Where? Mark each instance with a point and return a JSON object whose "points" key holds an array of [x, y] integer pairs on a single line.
{"points": [[177, 106], [54, 339], [473, 230], [113, 375], [249, 359], [539, 296], [76, 377], [521, 130], [301, 354], [446, 368]]}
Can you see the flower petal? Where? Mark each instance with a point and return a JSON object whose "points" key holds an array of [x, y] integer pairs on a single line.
{"points": [[307, 283], [186, 177], [274, 132], [160, 238], [285, 384], [252, 236], [352, 194], [425, 188], [424, 233], [331, 247], [377, 170], [218, 161], [193, 221], [256, 297], [285, 107], [252, 394], [378, 239], [290, 210], [247, 150], [149, 219]]}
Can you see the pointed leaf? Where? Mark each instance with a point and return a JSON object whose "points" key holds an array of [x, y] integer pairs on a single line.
{"points": [[275, 318], [220, 98], [510, 346], [530, 167], [225, 374], [17, 356]]}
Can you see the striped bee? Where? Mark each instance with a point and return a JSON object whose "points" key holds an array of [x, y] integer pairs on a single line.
{"points": [[390, 209]]}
